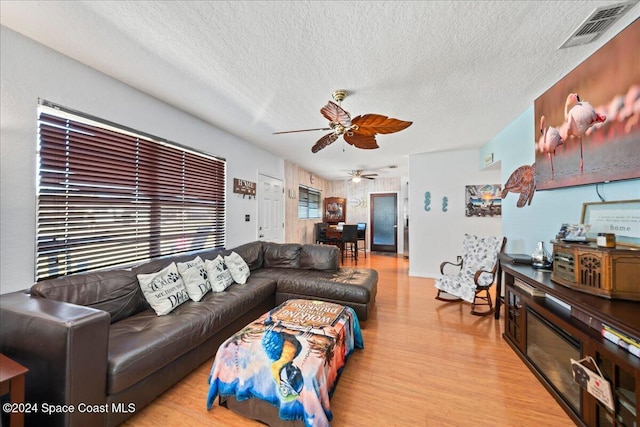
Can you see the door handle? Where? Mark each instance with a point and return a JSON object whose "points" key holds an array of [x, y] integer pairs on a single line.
{"points": [[395, 226]]}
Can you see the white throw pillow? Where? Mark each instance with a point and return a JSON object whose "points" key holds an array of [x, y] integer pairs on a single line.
{"points": [[195, 278], [219, 274], [238, 268], [163, 290]]}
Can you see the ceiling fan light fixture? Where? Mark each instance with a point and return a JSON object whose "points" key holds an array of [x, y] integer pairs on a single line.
{"points": [[356, 179], [339, 95]]}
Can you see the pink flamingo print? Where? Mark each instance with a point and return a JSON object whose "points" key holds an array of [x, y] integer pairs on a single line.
{"points": [[580, 116], [550, 139]]}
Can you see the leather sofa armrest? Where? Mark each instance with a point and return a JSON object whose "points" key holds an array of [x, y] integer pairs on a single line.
{"points": [[64, 346]]}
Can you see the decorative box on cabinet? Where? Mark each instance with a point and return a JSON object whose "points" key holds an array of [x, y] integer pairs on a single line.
{"points": [[606, 272]]}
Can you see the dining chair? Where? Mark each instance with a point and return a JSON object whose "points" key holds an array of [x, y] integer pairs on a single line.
{"points": [[362, 237], [349, 241], [320, 232]]}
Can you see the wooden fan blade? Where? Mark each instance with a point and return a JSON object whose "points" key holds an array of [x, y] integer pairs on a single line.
{"points": [[324, 141], [367, 177], [366, 142], [371, 124], [335, 114], [301, 130]]}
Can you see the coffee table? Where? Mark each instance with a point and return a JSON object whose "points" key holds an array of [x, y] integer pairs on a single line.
{"points": [[282, 368]]}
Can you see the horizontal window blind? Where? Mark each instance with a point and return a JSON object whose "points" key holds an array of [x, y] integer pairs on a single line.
{"points": [[108, 197], [308, 202]]}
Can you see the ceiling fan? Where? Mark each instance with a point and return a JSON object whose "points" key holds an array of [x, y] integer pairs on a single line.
{"points": [[357, 175], [360, 131]]}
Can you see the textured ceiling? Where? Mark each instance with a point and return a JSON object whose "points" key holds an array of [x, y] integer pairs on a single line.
{"points": [[461, 71]]}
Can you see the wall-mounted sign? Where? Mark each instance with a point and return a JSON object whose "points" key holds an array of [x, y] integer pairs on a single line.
{"points": [[488, 159], [246, 188]]}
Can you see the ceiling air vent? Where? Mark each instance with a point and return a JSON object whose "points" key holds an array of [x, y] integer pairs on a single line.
{"points": [[596, 24]]}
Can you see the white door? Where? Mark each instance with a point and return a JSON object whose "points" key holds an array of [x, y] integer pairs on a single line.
{"points": [[270, 209]]}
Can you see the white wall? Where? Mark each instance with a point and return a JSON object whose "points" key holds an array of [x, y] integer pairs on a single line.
{"points": [[29, 71], [524, 227], [436, 236]]}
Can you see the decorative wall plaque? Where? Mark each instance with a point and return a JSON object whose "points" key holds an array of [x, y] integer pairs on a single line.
{"points": [[246, 188]]}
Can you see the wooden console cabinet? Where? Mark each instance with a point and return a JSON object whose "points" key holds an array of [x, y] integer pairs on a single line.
{"points": [[607, 272], [546, 324]]}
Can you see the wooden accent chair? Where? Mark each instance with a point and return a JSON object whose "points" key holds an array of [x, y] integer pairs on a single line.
{"points": [[476, 273]]}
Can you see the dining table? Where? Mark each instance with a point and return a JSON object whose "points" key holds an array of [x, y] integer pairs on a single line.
{"points": [[334, 232]]}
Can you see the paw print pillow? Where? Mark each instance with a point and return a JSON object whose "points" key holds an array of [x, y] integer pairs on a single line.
{"points": [[195, 278], [163, 290], [219, 274]]}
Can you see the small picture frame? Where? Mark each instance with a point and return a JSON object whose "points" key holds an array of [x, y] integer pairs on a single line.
{"points": [[621, 218], [573, 232]]}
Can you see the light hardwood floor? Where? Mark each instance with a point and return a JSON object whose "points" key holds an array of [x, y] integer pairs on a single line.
{"points": [[425, 363]]}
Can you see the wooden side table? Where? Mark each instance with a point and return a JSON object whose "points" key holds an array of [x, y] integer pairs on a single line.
{"points": [[12, 381]]}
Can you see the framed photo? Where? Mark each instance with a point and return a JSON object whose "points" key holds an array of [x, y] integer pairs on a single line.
{"points": [[483, 200], [620, 217], [607, 83]]}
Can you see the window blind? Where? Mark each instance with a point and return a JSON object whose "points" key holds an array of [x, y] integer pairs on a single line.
{"points": [[308, 202], [108, 196]]}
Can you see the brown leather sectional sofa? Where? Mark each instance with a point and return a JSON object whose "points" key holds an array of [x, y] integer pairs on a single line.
{"points": [[92, 342]]}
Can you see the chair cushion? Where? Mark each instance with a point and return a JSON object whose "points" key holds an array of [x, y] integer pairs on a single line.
{"points": [[459, 285], [115, 291], [159, 340], [480, 253], [251, 253], [319, 257], [283, 255]]}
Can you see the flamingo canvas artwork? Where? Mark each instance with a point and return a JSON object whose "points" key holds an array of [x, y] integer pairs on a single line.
{"points": [[588, 123]]}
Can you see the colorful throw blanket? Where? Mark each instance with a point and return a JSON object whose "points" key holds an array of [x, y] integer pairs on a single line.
{"points": [[290, 357]]}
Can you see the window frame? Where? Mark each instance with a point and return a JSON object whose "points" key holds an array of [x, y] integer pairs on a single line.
{"points": [[106, 195], [305, 204]]}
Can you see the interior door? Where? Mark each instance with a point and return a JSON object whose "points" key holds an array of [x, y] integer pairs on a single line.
{"points": [[270, 209], [384, 222]]}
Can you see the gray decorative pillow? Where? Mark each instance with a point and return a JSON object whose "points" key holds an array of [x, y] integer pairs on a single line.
{"points": [[195, 278], [219, 274], [238, 268], [163, 290]]}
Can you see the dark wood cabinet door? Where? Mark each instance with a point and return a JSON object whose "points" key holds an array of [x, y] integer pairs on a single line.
{"points": [[514, 317]]}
